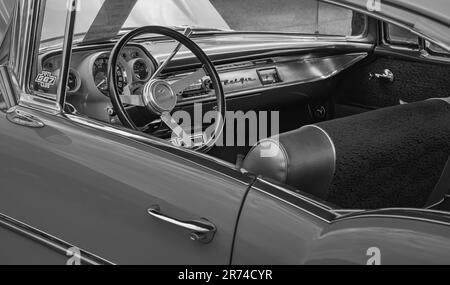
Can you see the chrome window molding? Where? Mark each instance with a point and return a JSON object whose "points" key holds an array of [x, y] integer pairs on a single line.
{"points": [[403, 24], [26, 32], [419, 50], [316, 209], [39, 103], [9, 87], [49, 241], [350, 214], [67, 54], [427, 55], [392, 213], [298, 195]]}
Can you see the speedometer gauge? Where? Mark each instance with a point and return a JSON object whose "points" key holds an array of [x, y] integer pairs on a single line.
{"points": [[100, 74], [140, 69], [73, 82]]}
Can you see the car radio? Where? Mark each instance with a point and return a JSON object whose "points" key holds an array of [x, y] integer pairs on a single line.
{"points": [[269, 76]]}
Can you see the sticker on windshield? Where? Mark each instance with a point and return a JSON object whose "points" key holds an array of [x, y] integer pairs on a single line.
{"points": [[46, 79]]}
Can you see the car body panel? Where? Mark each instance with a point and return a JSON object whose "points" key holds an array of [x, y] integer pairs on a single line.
{"points": [[308, 235], [262, 239], [397, 239], [92, 189]]}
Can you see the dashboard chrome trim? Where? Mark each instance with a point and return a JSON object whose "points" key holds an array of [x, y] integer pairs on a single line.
{"points": [[323, 68]]}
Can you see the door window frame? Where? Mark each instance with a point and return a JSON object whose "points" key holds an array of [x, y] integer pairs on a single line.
{"points": [[419, 50]]}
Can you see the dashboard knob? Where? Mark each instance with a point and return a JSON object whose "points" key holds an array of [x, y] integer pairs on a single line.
{"points": [[208, 85]]}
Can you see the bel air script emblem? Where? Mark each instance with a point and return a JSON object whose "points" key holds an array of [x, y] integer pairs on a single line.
{"points": [[241, 81]]}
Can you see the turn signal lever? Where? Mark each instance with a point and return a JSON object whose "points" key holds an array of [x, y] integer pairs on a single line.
{"points": [[387, 76]]}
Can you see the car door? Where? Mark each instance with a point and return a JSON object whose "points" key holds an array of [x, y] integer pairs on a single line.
{"points": [[90, 188], [15, 248], [419, 71]]}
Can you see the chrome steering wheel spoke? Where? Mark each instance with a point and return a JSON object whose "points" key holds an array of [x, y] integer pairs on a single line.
{"points": [[133, 100], [177, 130], [187, 33]]}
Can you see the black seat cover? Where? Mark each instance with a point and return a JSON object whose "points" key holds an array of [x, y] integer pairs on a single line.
{"points": [[391, 157]]}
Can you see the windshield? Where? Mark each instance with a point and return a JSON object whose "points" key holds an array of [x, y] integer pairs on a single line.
{"points": [[105, 19]]}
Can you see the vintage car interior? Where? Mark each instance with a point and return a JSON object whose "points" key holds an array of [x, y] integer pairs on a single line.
{"points": [[356, 115]]}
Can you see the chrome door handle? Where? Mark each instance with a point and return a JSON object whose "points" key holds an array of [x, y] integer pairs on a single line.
{"points": [[200, 230], [387, 76]]}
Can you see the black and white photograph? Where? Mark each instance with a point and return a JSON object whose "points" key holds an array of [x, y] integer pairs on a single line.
{"points": [[234, 135]]}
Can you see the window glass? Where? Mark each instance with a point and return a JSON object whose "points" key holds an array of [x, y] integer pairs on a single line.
{"points": [[103, 20], [6, 10], [290, 16], [435, 49], [2, 102], [296, 16], [397, 35]]}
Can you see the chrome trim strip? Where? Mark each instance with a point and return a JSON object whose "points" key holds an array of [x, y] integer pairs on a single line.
{"points": [[49, 240], [357, 58], [426, 55], [297, 195], [394, 217], [9, 86], [67, 53], [31, 43], [292, 204], [39, 103], [447, 100]]}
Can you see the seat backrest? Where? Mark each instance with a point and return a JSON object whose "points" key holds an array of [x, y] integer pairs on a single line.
{"points": [[391, 157]]}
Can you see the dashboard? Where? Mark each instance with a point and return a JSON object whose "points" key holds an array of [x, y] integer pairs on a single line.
{"points": [[88, 89]]}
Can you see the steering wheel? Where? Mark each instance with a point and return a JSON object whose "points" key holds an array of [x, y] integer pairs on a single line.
{"points": [[160, 97]]}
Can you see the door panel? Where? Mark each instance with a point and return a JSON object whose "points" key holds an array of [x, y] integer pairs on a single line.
{"points": [[93, 189], [276, 227], [414, 81]]}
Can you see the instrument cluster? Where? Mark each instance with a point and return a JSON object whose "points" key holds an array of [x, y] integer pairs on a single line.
{"points": [[134, 69], [89, 71]]}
